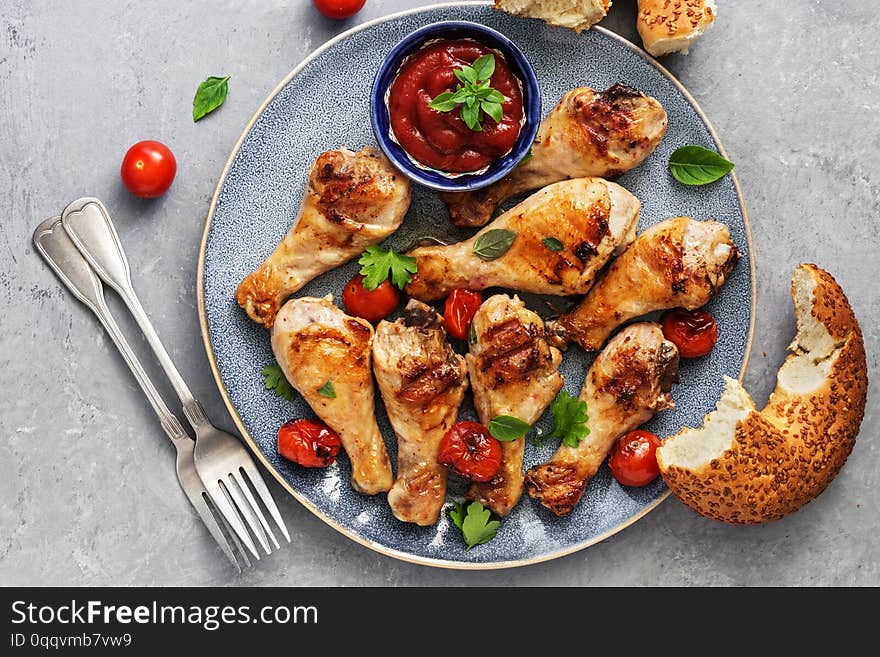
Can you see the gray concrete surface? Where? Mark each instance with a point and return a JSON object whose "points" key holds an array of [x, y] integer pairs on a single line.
{"points": [[87, 484]]}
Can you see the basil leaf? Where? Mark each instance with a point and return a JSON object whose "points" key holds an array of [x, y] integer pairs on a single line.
{"points": [[444, 102], [493, 243], [461, 95], [466, 74], [493, 110], [552, 244], [327, 390], [507, 428], [526, 158], [484, 66], [695, 165], [470, 114], [209, 96], [495, 96]]}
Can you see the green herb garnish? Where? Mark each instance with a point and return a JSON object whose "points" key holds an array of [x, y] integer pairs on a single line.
{"points": [[493, 243], [274, 380], [327, 390], [507, 428], [695, 165], [377, 264], [552, 244], [472, 334], [473, 94], [209, 96], [569, 420], [474, 523]]}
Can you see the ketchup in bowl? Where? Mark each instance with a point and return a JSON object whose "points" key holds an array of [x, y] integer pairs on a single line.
{"points": [[442, 140]]}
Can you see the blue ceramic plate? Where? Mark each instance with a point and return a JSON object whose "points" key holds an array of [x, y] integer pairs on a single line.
{"points": [[259, 194]]}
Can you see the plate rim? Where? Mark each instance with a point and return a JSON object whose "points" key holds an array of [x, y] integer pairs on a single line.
{"points": [[221, 387]]}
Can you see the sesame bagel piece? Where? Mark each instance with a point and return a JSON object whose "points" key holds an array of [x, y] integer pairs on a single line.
{"points": [[747, 467]]}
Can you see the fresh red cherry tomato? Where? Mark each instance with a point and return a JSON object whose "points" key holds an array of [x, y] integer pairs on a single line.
{"points": [[372, 305], [633, 460], [148, 169], [470, 451], [339, 8], [693, 331], [309, 443], [459, 310]]}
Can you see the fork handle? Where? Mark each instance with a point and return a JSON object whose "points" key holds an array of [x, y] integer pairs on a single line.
{"points": [[62, 256], [88, 223]]}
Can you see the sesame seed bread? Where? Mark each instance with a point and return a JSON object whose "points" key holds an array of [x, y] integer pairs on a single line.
{"points": [[575, 14], [673, 25], [746, 467]]}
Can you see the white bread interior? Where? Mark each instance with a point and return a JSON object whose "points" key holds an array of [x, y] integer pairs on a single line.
{"points": [[577, 15]]}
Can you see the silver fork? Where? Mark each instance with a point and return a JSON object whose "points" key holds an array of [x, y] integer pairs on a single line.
{"points": [[65, 260], [223, 464]]}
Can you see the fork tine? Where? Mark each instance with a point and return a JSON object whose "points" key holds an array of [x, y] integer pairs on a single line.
{"points": [[260, 486], [230, 515], [245, 509], [201, 507], [242, 484]]}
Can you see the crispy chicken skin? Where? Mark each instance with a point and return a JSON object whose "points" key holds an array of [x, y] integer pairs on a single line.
{"points": [[678, 263], [513, 371], [627, 384], [315, 342], [352, 200], [588, 134], [422, 381], [593, 218]]}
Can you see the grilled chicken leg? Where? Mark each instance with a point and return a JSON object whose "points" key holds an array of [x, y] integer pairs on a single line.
{"points": [[591, 218], [352, 200], [513, 371], [589, 133], [628, 383], [315, 342], [679, 262], [422, 381]]}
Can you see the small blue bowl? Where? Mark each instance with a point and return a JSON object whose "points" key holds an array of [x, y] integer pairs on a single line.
{"points": [[518, 64]]}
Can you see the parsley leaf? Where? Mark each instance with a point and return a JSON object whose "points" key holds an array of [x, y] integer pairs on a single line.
{"points": [[569, 419], [274, 380], [474, 523], [327, 390], [474, 95], [378, 264]]}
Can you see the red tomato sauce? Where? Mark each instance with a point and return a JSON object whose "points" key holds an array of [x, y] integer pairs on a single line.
{"points": [[441, 140]]}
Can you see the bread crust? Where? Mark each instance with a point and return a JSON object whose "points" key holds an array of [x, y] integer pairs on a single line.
{"points": [[577, 18], [673, 25], [785, 455]]}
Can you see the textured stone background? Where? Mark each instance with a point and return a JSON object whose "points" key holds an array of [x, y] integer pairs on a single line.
{"points": [[86, 476]]}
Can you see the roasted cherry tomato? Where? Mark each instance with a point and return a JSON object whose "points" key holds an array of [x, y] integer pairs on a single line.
{"points": [[339, 8], [307, 442], [693, 331], [459, 311], [470, 451], [633, 460], [372, 305], [148, 169]]}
